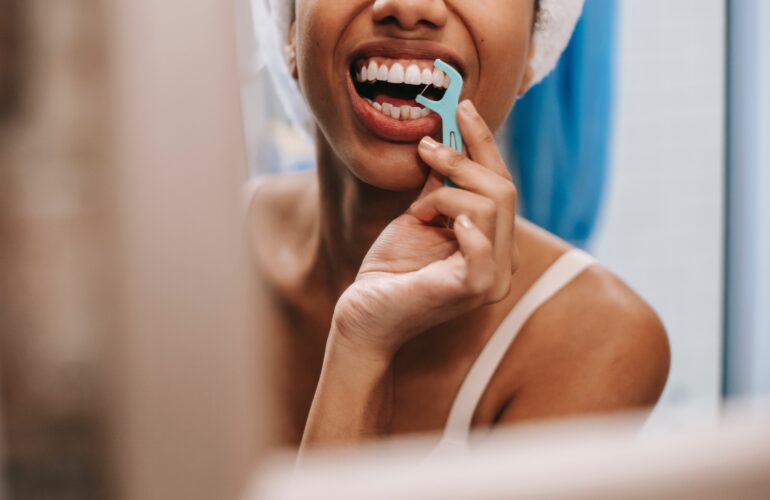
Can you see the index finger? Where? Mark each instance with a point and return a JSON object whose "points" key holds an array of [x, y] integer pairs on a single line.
{"points": [[482, 147]]}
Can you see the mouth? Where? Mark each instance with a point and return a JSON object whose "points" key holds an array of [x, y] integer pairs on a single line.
{"points": [[383, 89]]}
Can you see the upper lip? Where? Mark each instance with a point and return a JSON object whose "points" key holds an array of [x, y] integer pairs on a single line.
{"points": [[407, 49]]}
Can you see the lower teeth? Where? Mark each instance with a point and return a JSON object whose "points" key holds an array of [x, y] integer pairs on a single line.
{"points": [[399, 112]]}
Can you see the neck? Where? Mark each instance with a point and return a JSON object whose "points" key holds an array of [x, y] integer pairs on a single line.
{"points": [[352, 215]]}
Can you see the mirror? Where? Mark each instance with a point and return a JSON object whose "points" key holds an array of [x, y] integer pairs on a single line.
{"points": [[619, 152], [217, 286]]}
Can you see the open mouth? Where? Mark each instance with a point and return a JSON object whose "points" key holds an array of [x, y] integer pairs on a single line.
{"points": [[391, 86], [384, 89]]}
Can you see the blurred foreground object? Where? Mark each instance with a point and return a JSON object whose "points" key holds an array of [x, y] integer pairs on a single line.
{"points": [[55, 297], [128, 354], [596, 459]]}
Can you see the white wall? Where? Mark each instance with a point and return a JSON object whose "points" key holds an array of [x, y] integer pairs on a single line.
{"points": [[662, 229]]}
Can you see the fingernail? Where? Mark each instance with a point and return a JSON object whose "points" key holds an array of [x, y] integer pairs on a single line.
{"points": [[464, 221], [428, 143], [468, 107]]}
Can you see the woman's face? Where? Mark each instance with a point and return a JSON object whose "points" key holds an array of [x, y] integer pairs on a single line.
{"points": [[487, 41]]}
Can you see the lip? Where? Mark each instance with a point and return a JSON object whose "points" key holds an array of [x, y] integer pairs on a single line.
{"points": [[386, 127]]}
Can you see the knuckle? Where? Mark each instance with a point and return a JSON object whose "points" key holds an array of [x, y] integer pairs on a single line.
{"points": [[508, 194], [454, 160], [481, 283], [487, 208], [488, 138], [500, 290]]}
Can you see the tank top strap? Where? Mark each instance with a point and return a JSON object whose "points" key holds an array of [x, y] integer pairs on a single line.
{"points": [[557, 276]]}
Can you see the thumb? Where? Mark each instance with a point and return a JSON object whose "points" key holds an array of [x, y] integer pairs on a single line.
{"points": [[434, 181]]}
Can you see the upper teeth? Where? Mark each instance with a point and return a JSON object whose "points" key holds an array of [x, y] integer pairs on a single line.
{"points": [[395, 73]]}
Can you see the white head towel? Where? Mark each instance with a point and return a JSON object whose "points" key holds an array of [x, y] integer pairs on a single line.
{"points": [[554, 27]]}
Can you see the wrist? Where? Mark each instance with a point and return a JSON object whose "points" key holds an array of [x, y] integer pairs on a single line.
{"points": [[345, 348], [353, 399]]}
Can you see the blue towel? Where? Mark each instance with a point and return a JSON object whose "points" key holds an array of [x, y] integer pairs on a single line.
{"points": [[560, 132]]}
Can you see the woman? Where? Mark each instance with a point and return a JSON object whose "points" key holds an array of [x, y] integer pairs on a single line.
{"points": [[401, 305]]}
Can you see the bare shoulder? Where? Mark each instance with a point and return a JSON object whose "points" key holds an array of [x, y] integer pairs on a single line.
{"points": [[595, 346], [277, 218], [274, 197], [620, 334]]}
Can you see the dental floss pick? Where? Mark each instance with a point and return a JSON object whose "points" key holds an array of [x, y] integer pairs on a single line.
{"points": [[446, 108]]}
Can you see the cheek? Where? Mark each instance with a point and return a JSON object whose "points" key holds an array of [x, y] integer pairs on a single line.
{"points": [[504, 46], [314, 53]]}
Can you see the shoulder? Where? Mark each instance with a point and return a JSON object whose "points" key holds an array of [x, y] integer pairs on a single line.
{"points": [[595, 346], [277, 219], [619, 334], [271, 196]]}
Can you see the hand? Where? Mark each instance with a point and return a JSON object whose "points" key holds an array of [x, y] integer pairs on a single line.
{"points": [[421, 272]]}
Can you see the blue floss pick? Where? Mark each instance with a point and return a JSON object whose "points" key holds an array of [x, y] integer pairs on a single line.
{"points": [[446, 108]]}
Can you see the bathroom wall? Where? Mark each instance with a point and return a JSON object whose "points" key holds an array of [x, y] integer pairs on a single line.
{"points": [[662, 228]]}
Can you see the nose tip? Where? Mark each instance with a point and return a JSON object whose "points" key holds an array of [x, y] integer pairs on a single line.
{"points": [[411, 14]]}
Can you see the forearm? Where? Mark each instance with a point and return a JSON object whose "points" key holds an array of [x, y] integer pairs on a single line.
{"points": [[353, 397]]}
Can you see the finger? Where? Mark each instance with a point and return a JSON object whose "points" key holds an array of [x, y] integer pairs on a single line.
{"points": [[463, 171], [468, 174], [477, 252], [482, 147], [434, 181], [451, 202]]}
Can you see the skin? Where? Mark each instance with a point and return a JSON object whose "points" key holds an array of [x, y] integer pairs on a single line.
{"points": [[385, 285]]}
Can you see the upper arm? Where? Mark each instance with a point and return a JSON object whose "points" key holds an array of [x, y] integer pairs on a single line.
{"points": [[604, 349]]}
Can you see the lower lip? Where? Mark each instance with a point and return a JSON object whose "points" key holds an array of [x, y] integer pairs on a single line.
{"points": [[389, 128]]}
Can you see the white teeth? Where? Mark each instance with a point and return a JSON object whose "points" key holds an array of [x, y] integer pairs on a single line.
{"points": [[382, 73], [438, 77], [371, 72], [426, 77], [396, 74], [412, 75], [399, 112]]}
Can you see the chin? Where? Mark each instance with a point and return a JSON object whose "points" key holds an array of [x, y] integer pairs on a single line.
{"points": [[394, 171]]}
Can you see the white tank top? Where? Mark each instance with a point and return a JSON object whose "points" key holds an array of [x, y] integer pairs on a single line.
{"points": [[557, 276]]}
